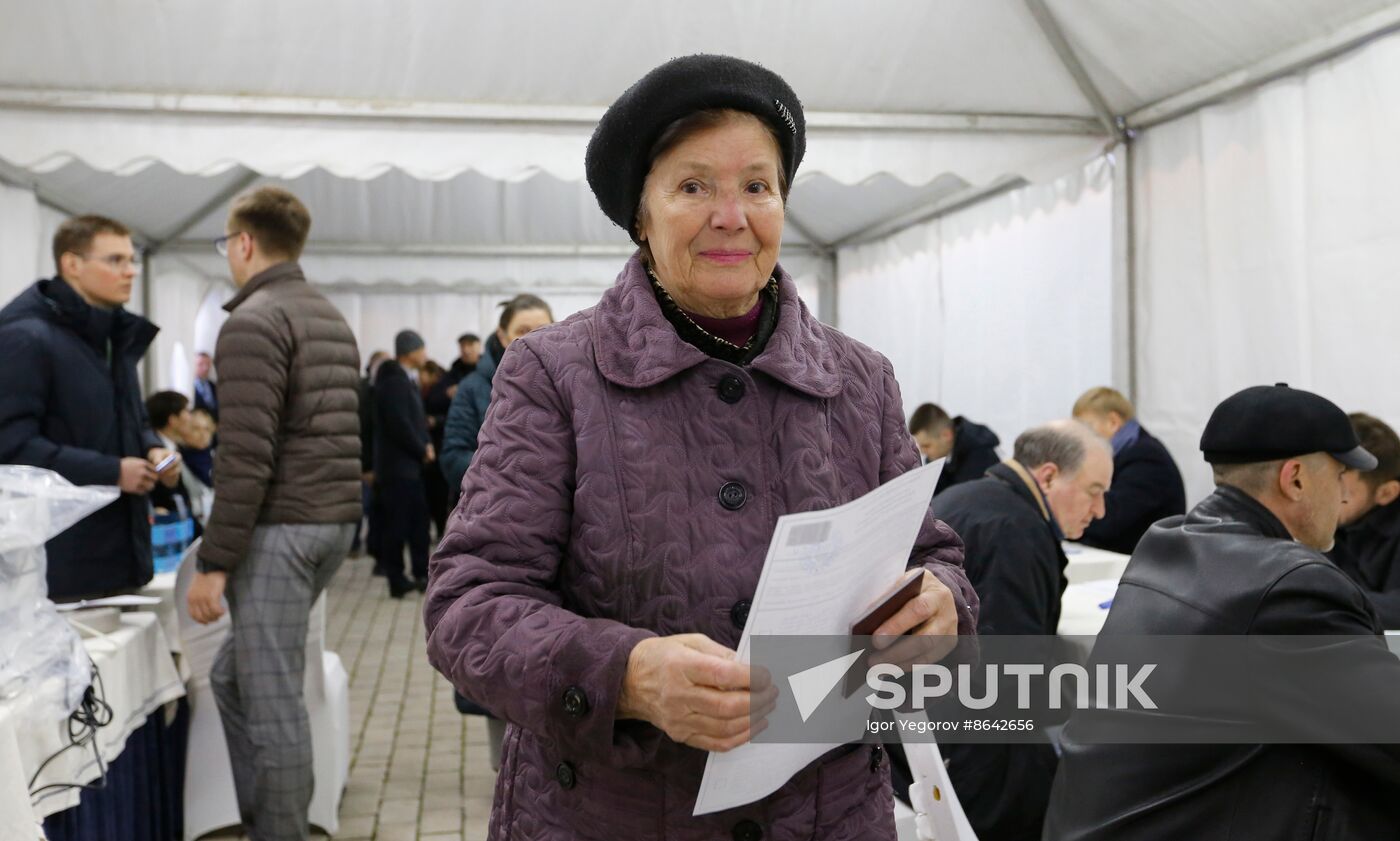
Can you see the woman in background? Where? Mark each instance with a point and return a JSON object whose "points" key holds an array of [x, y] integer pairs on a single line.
{"points": [[519, 316]]}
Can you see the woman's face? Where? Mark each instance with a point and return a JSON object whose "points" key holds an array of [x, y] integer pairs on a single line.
{"points": [[522, 323], [712, 216]]}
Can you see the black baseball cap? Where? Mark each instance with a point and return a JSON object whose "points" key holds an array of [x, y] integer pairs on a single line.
{"points": [[1269, 422]]}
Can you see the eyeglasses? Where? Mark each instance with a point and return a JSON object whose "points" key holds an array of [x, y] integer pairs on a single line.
{"points": [[221, 244], [118, 262]]}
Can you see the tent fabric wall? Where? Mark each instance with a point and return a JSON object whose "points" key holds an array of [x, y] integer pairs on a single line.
{"points": [[1267, 249], [1001, 312], [26, 236]]}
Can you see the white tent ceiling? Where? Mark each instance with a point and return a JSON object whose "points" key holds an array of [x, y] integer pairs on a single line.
{"points": [[427, 127]]}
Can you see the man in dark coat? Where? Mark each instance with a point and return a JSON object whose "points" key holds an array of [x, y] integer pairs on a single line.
{"points": [[1368, 544], [70, 402], [1012, 521], [970, 447], [206, 391], [1246, 562], [367, 497], [1147, 485], [468, 354], [401, 448]]}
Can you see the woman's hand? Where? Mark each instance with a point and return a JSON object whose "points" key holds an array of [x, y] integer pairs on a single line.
{"points": [[692, 688], [924, 630]]}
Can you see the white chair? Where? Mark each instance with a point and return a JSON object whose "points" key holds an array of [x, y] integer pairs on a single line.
{"points": [[210, 801], [937, 814]]}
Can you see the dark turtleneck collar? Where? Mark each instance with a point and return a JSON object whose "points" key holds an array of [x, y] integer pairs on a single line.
{"points": [[715, 336], [737, 331]]}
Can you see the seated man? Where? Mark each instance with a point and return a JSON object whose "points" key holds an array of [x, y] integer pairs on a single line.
{"points": [[173, 423], [1368, 544], [970, 447], [1245, 563], [1146, 483], [1012, 522]]}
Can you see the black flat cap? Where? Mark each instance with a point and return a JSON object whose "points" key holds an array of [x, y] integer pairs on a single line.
{"points": [[1269, 422], [618, 153]]}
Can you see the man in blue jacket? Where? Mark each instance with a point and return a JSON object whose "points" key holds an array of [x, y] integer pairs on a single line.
{"points": [[1147, 485], [70, 402]]}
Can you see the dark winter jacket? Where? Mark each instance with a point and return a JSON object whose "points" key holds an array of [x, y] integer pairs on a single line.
{"points": [[70, 401], [1369, 551], [1015, 563], [400, 426], [974, 450], [365, 392], [626, 485], [1146, 488], [1230, 568]]}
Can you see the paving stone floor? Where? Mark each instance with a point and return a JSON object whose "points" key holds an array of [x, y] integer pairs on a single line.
{"points": [[420, 770]]}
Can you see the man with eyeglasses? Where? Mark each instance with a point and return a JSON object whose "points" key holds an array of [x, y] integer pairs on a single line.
{"points": [[70, 401], [286, 501]]}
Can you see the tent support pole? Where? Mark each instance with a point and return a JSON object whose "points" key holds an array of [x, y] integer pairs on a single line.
{"points": [[148, 366], [1056, 36], [959, 201], [1123, 369]]}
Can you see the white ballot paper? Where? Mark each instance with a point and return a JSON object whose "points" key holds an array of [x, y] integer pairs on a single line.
{"points": [[823, 570]]}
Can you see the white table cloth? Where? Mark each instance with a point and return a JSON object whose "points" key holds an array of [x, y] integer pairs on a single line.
{"points": [[139, 676]]}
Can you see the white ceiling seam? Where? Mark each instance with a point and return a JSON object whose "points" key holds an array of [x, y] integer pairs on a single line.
{"points": [[497, 114]]}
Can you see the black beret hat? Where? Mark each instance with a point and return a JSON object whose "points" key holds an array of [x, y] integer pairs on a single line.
{"points": [[618, 153], [1269, 422]]}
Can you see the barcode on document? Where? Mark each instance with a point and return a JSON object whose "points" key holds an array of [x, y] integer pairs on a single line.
{"points": [[808, 533]]}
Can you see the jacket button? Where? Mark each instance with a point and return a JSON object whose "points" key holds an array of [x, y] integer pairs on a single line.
{"points": [[739, 613], [731, 388], [575, 702], [565, 775], [877, 757], [733, 496], [747, 830]]}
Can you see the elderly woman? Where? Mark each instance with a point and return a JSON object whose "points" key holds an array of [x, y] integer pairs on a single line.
{"points": [[631, 469]]}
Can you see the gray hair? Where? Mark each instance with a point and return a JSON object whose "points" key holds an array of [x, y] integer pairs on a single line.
{"points": [[1063, 443]]}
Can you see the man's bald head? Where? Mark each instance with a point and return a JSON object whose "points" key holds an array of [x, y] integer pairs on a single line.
{"points": [[1073, 467]]}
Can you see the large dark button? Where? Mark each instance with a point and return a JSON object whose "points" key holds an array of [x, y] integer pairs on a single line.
{"points": [[747, 830], [731, 388], [733, 496], [877, 758], [575, 702], [565, 775], [739, 613]]}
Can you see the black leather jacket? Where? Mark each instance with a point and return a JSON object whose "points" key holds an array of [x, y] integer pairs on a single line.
{"points": [[1229, 567]]}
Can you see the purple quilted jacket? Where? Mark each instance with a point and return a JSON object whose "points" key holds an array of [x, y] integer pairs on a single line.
{"points": [[626, 486]]}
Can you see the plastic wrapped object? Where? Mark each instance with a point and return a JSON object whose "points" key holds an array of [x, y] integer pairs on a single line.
{"points": [[41, 656]]}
